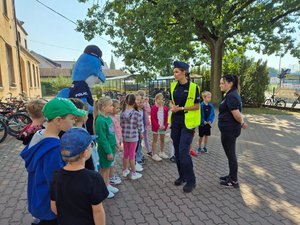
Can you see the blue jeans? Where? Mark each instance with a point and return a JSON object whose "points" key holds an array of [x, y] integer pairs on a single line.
{"points": [[138, 151]]}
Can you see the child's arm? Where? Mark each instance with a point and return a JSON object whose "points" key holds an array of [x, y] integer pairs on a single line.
{"points": [[98, 214], [211, 117], [53, 207]]}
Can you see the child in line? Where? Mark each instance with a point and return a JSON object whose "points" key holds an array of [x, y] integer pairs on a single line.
{"points": [[139, 161], [77, 193], [159, 125], [132, 127], [147, 109], [34, 109], [42, 157], [207, 118], [80, 122], [106, 139], [113, 178]]}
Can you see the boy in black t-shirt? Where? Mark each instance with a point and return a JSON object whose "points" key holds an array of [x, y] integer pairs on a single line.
{"points": [[77, 193]]}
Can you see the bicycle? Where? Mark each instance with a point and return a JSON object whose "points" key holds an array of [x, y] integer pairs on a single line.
{"points": [[275, 101], [14, 120], [296, 100], [3, 129]]}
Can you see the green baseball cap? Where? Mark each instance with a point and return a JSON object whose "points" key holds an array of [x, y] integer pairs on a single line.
{"points": [[57, 107]]}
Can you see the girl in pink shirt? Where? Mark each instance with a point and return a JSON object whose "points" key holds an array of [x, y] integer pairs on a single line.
{"points": [[113, 178]]}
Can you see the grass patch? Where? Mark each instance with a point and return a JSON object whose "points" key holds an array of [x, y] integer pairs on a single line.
{"points": [[263, 110]]}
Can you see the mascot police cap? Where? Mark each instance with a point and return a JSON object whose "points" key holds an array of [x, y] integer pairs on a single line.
{"points": [[89, 64], [94, 50]]}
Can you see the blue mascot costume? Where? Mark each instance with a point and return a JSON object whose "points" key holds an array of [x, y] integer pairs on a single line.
{"points": [[86, 73]]}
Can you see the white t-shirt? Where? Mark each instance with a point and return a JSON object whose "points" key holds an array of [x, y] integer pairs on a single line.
{"points": [[160, 116]]}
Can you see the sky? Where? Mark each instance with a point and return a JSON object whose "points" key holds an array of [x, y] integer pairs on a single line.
{"points": [[55, 37]]}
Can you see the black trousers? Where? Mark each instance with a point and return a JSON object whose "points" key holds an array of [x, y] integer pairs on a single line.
{"points": [[182, 139], [228, 139]]}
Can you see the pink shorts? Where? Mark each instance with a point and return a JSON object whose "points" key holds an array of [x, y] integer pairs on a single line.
{"points": [[129, 150]]}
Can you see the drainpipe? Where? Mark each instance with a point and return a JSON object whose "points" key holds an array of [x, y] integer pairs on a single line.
{"points": [[18, 46]]}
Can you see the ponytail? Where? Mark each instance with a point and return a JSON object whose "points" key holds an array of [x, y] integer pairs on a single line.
{"points": [[129, 100], [187, 75], [234, 79]]}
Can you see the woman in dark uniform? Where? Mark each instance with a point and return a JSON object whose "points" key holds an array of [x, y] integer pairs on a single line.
{"points": [[230, 123], [185, 117]]}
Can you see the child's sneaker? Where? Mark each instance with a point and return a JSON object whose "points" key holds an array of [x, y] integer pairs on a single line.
{"points": [[163, 155], [199, 150], [115, 180], [112, 189], [138, 167], [135, 176], [125, 173], [156, 158], [149, 154], [110, 194], [205, 150], [173, 159]]}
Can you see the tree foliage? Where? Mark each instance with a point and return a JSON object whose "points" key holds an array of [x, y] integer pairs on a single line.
{"points": [[147, 33], [254, 78]]}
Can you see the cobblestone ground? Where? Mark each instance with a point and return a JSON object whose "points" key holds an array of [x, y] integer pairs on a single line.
{"points": [[269, 173]]}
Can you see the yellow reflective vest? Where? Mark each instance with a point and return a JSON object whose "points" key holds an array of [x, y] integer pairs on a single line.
{"points": [[192, 118]]}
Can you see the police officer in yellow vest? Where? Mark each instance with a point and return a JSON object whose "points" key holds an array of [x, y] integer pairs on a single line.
{"points": [[184, 118]]}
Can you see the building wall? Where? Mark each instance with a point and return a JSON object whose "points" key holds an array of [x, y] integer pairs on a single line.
{"points": [[11, 80]]}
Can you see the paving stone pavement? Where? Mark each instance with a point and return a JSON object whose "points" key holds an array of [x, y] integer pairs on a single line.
{"points": [[269, 175]]}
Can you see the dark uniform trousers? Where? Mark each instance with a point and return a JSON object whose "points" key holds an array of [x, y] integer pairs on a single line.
{"points": [[182, 139]]}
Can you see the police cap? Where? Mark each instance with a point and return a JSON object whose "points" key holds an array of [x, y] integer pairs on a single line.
{"points": [[181, 65]]}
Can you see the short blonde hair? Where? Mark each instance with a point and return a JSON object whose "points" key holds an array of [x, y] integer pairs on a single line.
{"points": [[141, 93], [158, 95], [34, 108], [205, 93]]}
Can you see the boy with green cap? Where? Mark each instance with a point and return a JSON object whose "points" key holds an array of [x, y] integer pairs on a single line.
{"points": [[42, 157]]}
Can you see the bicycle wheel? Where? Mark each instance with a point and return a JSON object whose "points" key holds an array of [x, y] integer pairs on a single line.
{"points": [[268, 102], [280, 103], [3, 131], [17, 122]]}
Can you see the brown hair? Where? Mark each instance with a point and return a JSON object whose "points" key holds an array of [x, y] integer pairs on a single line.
{"points": [[79, 104], [129, 100], [34, 108], [158, 95]]}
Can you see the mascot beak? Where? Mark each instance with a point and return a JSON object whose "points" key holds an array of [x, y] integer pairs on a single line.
{"points": [[101, 76]]}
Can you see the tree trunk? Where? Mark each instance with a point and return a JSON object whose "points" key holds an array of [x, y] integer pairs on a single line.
{"points": [[216, 51]]}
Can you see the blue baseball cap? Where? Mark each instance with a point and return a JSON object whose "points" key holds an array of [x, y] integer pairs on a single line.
{"points": [[75, 141], [181, 65]]}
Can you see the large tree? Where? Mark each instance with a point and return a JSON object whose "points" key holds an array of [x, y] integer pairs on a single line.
{"points": [[147, 33]]}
